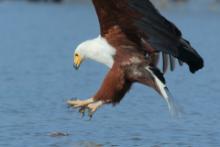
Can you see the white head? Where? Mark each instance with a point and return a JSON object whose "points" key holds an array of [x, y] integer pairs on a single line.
{"points": [[97, 49]]}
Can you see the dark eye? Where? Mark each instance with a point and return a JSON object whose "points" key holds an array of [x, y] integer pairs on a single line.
{"points": [[76, 55]]}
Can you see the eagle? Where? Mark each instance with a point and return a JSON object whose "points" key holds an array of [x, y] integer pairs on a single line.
{"points": [[134, 36]]}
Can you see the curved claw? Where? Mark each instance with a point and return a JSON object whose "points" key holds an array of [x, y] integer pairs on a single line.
{"points": [[82, 111], [90, 114], [93, 108]]}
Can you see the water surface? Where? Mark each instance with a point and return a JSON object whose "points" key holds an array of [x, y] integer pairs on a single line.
{"points": [[36, 44]]}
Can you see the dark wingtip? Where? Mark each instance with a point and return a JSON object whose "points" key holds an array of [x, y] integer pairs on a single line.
{"points": [[189, 55], [195, 67]]}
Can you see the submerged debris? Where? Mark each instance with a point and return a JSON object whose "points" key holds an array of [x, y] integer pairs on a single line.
{"points": [[58, 134]]}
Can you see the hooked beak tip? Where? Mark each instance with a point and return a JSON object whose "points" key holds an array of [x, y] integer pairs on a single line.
{"points": [[76, 66]]}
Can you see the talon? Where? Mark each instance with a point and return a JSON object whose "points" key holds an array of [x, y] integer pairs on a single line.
{"points": [[82, 115], [90, 114], [93, 108], [82, 111]]}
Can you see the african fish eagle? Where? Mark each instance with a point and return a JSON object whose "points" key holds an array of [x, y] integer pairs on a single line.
{"points": [[133, 35]]}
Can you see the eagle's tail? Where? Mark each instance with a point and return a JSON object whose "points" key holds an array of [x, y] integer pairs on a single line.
{"points": [[172, 105], [162, 89]]}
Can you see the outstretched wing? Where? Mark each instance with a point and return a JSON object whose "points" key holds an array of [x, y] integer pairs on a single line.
{"points": [[142, 23]]}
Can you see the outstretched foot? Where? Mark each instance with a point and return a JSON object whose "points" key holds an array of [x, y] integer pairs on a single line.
{"points": [[76, 103], [90, 106], [93, 107]]}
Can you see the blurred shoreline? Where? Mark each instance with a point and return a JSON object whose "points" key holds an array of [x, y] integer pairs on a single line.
{"points": [[161, 4]]}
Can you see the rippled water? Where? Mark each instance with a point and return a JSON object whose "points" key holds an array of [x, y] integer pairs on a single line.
{"points": [[36, 75]]}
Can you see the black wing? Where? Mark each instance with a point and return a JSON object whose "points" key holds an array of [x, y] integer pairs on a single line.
{"points": [[140, 21]]}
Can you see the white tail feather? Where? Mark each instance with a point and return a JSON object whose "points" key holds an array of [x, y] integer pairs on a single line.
{"points": [[173, 108], [164, 91]]}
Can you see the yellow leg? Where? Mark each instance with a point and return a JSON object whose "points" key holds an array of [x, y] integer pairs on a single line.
{"points": [[80, 103]]}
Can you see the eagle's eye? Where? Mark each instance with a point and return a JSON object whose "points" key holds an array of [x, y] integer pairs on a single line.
{"points": [[76, 55]]}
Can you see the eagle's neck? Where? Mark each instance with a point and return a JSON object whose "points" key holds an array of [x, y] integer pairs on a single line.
{"points": [[101, 51]]}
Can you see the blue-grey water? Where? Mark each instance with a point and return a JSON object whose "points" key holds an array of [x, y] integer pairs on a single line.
{"points": [[36, 78]]}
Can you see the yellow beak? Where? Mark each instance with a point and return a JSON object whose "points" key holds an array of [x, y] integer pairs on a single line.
{"points": [[77, 62]]}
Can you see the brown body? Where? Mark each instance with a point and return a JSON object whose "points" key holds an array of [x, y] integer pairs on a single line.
{"points": [[129, 67]]}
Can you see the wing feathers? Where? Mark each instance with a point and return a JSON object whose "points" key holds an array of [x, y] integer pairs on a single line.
{"points": [[154, 58], [165, 62], [172, 62], [140, 20]]}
